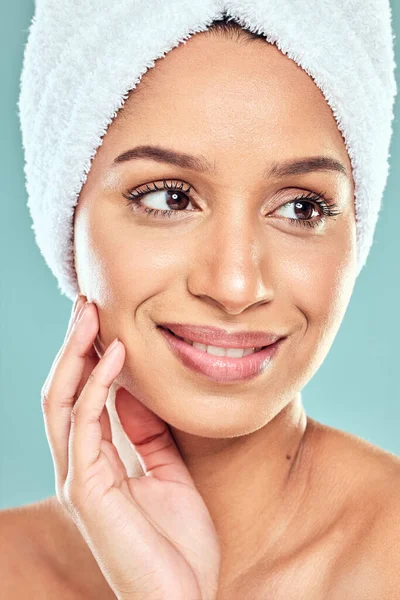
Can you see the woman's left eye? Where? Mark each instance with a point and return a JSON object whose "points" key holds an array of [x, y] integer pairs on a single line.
{"points": [[177, 200]]}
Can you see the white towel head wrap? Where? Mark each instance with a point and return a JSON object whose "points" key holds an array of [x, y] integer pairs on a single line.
{"points": [[82, 59]]}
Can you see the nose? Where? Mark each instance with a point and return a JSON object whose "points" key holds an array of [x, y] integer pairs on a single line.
{"points": [[229, 269]]}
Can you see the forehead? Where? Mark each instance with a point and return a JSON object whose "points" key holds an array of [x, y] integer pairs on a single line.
{"points": [[217, 95]]}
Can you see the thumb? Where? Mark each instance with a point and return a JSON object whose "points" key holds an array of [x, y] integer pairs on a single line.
{"points": [[152, 439]]}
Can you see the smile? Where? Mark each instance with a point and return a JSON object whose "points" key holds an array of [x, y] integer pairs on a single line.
{"points": [[218, 363]]}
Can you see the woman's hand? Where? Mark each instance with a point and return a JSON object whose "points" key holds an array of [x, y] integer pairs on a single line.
{"points": [[152, 536]]}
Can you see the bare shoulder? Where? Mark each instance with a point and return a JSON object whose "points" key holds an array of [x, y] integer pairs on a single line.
{"points": [[354, 456], [40, 552], [370, 477], [22, 564]]}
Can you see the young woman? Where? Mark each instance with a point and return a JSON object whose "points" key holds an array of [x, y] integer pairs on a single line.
{"points": [[215, 240]]}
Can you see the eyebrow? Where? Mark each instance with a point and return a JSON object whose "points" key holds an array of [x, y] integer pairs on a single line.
{"points": [[201, 164]]}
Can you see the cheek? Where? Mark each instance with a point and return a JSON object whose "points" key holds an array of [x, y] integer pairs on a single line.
{"points": [[321, 285], [313, 290], [322, 274], [120, 263]]}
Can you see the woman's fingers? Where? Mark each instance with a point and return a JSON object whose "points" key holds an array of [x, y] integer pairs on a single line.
{"points": [[78, 304], [152, 438], [60, 391], [86, 429], [76, 307]]}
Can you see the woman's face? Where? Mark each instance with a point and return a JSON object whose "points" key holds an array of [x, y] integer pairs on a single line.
{"points": [[236, 252]]}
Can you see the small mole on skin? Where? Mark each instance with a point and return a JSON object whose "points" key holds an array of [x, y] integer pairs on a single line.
{"points": [[288, 456]]}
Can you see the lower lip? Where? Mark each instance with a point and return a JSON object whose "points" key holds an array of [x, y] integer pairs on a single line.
{"points": [[221, 368]]}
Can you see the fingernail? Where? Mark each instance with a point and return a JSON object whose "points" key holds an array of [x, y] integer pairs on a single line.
{"points": [[82, 311], [79, 301], [111, 347], [74, 306]]}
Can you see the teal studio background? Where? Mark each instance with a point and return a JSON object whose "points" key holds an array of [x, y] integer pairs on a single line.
{"points": [[357, 388]]}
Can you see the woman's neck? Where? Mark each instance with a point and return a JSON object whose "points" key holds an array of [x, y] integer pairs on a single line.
{"points": [[251, 484]]}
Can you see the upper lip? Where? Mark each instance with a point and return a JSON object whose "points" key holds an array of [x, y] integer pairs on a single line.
{"points": [[214, 336]]}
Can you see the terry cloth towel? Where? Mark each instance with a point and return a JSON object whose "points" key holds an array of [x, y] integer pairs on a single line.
{"points": [[82, 58]]}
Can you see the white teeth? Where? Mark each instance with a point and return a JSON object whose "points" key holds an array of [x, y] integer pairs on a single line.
{"points": [[217, 351], [249, 351]]}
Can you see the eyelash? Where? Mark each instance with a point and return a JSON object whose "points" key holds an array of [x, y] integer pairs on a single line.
{"points": [[134, 196]]}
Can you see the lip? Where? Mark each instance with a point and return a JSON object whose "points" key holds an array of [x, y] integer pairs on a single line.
{"points": [[213, 336], [222, 369]]}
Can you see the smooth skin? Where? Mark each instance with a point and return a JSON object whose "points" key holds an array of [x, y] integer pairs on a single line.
{"points": [[299, 510]]}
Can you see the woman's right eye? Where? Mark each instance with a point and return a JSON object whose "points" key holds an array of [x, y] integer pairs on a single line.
{"points": [[173, 197]]}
